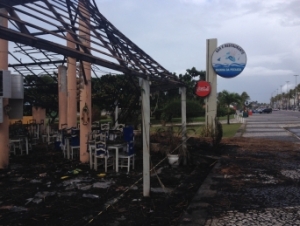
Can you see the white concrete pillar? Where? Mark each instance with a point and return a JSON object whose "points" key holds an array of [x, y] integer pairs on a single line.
{"points": [[145, 93]]}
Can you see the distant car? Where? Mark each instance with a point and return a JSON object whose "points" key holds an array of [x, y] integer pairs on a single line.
{"points": [[267, 110], [275, 109]]}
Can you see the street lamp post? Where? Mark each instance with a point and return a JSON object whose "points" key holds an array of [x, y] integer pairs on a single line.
{"points": [[281, 106], [287, 82], [277, 99], [296, 92]]}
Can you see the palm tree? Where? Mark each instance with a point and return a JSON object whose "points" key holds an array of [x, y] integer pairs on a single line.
{"points": [[227, 99], [244, 97]]}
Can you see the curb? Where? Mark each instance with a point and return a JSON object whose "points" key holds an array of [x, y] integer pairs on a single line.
{"points": [[196, 213], [241, 130]]}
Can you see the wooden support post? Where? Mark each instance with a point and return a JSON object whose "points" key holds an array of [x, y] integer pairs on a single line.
{"points": [[4, 127], [72, 89], [145, 93], [85, 98], [62, 96], [183, 121], [116, 114]]}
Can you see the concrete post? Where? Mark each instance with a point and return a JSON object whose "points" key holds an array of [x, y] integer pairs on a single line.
{"points": [[62, 96], [71, 84], [211, 77], [145, 93], [85, 100], [4, 127]]}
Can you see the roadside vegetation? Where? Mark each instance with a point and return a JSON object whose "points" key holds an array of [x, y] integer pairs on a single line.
{"points": [[109, 91]]}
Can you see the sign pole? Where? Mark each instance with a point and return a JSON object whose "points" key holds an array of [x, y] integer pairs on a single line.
{"points": [[211, 77]]}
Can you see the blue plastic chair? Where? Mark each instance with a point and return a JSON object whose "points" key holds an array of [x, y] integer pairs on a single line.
{"points": [[127, 157]]}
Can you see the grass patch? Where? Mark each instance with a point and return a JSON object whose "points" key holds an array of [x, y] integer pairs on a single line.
{"points": [[189, 120], [195, 130], [231, 129]]}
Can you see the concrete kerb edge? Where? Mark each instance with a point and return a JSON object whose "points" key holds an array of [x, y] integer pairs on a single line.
{"points": [[241, 130], [196, 213], [289, 132]]}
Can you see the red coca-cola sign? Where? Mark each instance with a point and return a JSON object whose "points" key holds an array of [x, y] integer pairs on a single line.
{"points": [[203, 89]]}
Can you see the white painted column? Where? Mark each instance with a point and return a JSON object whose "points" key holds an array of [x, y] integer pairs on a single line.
{"points": [[211, 77], [145, 93], [182, 91]]}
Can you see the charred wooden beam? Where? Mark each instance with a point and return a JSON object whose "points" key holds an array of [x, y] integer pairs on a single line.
{"points": [[17, 2], [37, 63]]}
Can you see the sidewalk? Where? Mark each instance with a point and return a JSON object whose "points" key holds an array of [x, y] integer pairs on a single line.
{"points": [[254, 184]]}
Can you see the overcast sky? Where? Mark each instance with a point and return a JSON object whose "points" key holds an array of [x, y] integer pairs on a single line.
{"points": [[174, 33]]}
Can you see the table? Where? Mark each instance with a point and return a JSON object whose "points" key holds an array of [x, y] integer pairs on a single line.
{"points": [[116, 147]]}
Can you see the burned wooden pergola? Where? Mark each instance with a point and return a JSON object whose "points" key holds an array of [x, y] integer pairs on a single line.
{"points": [[48, 34], [39, 31]]}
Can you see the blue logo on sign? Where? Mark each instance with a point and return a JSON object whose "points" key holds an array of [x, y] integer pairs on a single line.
{"points": [[229, 60]]}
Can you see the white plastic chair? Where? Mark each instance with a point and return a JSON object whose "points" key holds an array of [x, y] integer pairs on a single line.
{"points": [[12, 147], [119, 127], [102, 153], [93, 137], [104, 126], [127, 158]]}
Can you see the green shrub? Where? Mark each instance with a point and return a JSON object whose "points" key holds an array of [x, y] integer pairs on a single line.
{"points": [[221, 111], [157, 114], [173, 109], [103, 117]]}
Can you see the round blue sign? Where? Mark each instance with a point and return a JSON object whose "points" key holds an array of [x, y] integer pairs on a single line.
{"points": [[229, 60]]}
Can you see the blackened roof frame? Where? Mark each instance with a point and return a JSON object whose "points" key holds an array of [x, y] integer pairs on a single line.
{"points": [[109, 47]]}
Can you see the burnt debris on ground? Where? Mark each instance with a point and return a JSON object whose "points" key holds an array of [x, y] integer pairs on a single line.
{"points": [[43, 188]]}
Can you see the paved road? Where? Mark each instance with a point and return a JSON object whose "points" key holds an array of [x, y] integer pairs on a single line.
{"points": [[280, 125], [269, 191]]}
